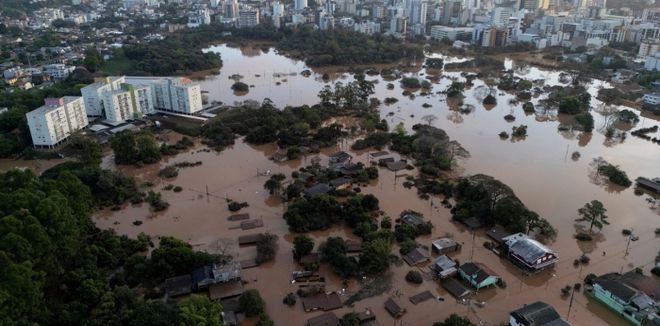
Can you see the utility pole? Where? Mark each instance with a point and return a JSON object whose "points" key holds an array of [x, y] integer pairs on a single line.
{"points": [[628, 243]]}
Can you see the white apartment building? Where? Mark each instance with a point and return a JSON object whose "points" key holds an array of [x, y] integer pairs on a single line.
{"points": [[56, 120], [172, 94], [57, 70], [653, 62], [648, 48], [652, 99], [439, 32]]}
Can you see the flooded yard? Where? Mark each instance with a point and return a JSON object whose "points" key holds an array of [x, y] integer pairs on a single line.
{"points": [[539, 168]]}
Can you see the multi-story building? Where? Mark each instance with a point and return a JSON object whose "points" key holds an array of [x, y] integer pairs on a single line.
{"points": [[57, 70], [56, 120], [367, 27], [93, 94], [248, 17], [172, 94], [300, 4], [117, 100], [648, 48], [632, 295], [451, 33]]}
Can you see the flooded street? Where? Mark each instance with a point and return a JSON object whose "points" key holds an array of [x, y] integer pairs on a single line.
{"points": [[539, 169]]}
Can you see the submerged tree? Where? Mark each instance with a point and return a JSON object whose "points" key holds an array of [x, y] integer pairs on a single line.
{"points": [[594, 213]]}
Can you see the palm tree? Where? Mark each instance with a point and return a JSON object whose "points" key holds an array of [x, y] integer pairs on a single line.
{"points": [[593, 212]]}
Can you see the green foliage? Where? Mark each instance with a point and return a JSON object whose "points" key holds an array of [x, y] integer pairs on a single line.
{"points": [[251, 303], [434, 63], [289, 299], [455, 320], [585, 120], [265, 320], [345, 47], [593, 213], [156, 201], [490, 100], [199, 310], [240, 87], [93, 60], [266, 246], [302, 245], [414, 277], [410, 82], [274, 183], [375, 256], [455, 89], [316, 213], [376, 139], [614, 174], [519, 131], [431, 148], [135, 148], [493, 203], [350, 319], [628, 116]]}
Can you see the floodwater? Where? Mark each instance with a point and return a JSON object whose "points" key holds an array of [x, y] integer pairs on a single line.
{"points": [[538, 168]]}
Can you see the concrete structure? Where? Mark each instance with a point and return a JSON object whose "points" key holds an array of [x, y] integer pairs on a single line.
{"points": [[300, 4], [439, 32], [653, 63], [57, 70], [172, 94], [248, 18], [54, 122]]}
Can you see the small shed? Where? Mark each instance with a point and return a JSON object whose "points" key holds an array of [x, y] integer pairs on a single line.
{"points": [[412, 219], [416, 257], [379, 154], [202, 277], [421, 297], [445, 245], [326, 319], [310, 258], [394, 308], [455, 288], [178, 285]]}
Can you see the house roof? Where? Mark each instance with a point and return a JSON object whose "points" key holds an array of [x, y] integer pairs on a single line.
{"points": [[455, 288], [202, 274], [397, 166], [613, 283], [416, 257], [479, 271], [340, 156], [326, 319], [443, 263], [340, 181], [498, 233], [527, 249], [413, 219], [323, 302], [539, 314], [178, 285], [394, 308], [444, 243], [472, 222], [378, 154], [225, 290], [317, 189]]}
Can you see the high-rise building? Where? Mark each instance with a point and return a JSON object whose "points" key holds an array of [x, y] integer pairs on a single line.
{"points": [[300, 4], [56, 120], [215, 3], [231, 9], [93, 94], [500, 16], [248, 17], [450, 11]]}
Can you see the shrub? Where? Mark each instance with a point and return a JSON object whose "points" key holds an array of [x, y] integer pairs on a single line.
{"points": [[236, 206], [251, 303], [582, 236], [169, 171], [266, 246], [177, 189], [289, 299], [585, 120], [414, 277], [240, 87]]}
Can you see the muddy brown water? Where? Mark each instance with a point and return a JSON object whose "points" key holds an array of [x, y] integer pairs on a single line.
{"points": [[538, 168]]}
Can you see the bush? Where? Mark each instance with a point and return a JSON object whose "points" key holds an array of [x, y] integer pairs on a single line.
{"points": [[240, 87], [414, 277], [520, 131], [528, 107], [251, 303], [289, 299], [156, 201], [614, 174], [236, 206], [169, 171], [490, 100], [177, 189], [266, 246], [585, 120], [265, 320], [582, 236]]}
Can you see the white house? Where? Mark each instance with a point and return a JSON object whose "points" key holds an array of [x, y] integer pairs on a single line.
{"points": [[652, 98]]}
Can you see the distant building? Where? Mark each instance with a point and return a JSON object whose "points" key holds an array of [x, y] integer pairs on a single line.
{"points": [[56, 120], [651, 99], [653, 62], [300, 4], [451, 33], [536, 314], [172, 94], [58, 70], [248, 18]]}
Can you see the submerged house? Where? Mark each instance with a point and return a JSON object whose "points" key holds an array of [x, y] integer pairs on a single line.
{"points": [[529, 254], [536, 314], [340, 157], [445, 245], [478, 275], [632, 295], [444, 267]]}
